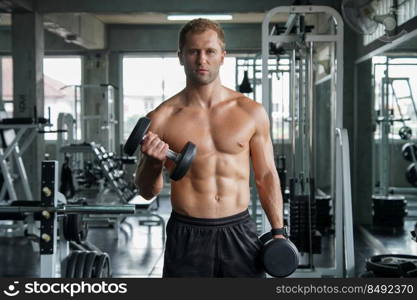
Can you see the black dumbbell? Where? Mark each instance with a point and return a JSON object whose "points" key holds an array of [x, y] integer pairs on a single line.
{"points": [[405, 132], [408, 150], [279, 256], [182, 160]]}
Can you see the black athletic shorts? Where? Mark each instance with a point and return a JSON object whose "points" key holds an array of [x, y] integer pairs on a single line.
{"points": [[225, 247]]}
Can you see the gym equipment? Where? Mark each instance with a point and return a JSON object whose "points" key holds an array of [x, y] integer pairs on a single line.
{"points": [[389, 211], [67, 182], [86, 264], [411, 174], [414, 233], [104, 165], [386, 213], [323, 213], [409, 151], [297, 43], [405, 133], [89, 264], [70, 209], [74, 229], [183, 160], [100, 126], [245, 86], [392, 265], [12, 135], [49, 210], [303, 216], [282, 173], [279, 256]]}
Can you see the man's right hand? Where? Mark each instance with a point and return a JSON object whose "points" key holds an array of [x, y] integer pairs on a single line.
{"points": [[154, 148]]}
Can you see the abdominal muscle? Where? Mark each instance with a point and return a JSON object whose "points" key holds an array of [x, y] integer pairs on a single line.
{"points": [[216, 186]]}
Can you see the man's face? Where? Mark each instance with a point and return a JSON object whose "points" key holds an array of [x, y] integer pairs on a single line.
{"points": [[202, 56]]}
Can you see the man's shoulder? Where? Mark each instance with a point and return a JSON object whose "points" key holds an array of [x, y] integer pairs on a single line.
{"points": [[165, 109], [161, 114], [240, 98], [254, 109], [247, 104]]}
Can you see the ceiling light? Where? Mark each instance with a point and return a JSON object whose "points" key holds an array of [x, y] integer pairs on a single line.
{"points": [[191, 17]]}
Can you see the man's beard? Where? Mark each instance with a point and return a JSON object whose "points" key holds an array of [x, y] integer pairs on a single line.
{"points": [[201, 80]]}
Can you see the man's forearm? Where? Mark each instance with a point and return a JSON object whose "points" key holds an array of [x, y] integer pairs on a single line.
{"points": [[148, 178], [271, 198]]}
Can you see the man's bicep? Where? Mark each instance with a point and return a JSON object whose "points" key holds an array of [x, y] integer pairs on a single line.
{"points": [[156, 126], [262, 153], [261, 145]]}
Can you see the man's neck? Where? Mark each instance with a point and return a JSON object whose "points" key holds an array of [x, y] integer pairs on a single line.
{"points": [[206, 95]]}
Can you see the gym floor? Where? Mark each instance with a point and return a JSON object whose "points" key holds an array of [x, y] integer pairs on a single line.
{"points": [[138, 251]]}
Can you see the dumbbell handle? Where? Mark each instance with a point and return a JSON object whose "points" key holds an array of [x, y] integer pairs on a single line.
{"points": [[172, 155]]}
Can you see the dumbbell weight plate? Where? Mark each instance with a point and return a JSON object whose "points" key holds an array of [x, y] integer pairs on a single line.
{"points": [[184, 161], [107, 268], [411, 174], [407, 149], [279, 256], [76, 229], [89, 263], [72, 264], [405, 133], [79, 268], [64, 266], [101, 266], [136, 137], [387, 265]]}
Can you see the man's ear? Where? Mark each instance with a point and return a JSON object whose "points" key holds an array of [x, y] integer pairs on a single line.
{"points": [[179, 53]]}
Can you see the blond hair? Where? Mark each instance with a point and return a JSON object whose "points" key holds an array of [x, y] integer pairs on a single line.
{"points": [[199, 26]]}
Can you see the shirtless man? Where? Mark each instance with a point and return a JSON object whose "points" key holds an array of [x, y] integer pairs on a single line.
{"points": [[210, 232]]}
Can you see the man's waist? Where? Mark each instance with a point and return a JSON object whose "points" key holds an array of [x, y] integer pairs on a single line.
{"points": [[223, 221]]}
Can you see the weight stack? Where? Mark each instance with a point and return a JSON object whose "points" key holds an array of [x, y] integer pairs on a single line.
{"points": [[299, 224], [389, 211], [323, 216]]}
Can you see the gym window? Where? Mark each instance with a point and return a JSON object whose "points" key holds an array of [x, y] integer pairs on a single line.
{"points": [[148, 81], [59, 92], [57, 97], [401, 90], [279, 76], [7, 84]]}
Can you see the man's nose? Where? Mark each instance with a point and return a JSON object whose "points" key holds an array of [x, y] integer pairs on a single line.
{"points": [[201, 58]]}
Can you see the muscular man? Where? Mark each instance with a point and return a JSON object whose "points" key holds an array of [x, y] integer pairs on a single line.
{"points": [[210, 232]]}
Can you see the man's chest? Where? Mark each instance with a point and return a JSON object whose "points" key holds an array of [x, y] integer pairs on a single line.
{"points": [[227, 132]]}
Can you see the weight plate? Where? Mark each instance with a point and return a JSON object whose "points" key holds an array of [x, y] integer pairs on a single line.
{"points": [[407, 149], [405, 133], [72, 263], [79, 268], [387, 265], [89, 263], [136, 136], [99, 265], [279, 256], [183, 164], [411, 174]]}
